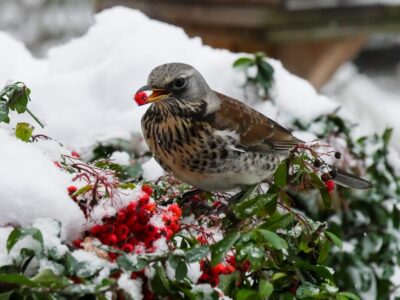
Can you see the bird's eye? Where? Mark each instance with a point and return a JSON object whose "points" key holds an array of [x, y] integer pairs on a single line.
{"points": [[179, 83]]}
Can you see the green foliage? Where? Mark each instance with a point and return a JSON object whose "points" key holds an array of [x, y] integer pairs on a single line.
{"points": [[15, 97], [264, 72]]}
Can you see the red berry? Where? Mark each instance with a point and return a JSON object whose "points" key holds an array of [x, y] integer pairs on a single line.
{"points": [[122, 231], [96, 229], [229, 269], [144, 199], [109, 239], [141, 98], [130, 221], [218, 269], [175, 209], [57, 164], [174, 226], [127, 248], [147, 189], [231, 260], [77, 243], [121, 215], [109, 228], [330, 185], [75, 154], [72, 189], [149, 207], [216, 204], [169, 235], [112, 256], [131, 208]]}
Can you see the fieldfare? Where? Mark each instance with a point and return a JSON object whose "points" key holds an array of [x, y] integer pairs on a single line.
{"points": [[212, 141]]}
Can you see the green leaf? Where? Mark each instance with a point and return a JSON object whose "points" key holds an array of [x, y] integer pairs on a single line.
{"points": [[6, 295], [278, 221], [346, 296], [181, 271], [396, 217], [326, 197], [219, 249], [196, 253], [227, 282], [48, 279], [386, 136], [243, 62], [16, 279], [24, 131], [265, 289], [19, 233], [83, 190], [334, 238], [307, 290], [159, 283], [131, 263], [323, 253], [273, 239], [280, 176], [278, 275], [4, 111], [259, 205], [245, 294]]}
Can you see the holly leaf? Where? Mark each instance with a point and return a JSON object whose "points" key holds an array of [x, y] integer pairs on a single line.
{"points": [[219, 249]]}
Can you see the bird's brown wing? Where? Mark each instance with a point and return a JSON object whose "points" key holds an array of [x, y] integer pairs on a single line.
{"points": [[257, 132]]}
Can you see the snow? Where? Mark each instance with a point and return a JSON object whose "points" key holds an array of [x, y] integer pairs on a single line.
{"points": [[51, 230], [368, 104], [92, 262], [32, 187], [152, 170], [121, 158], [131, 286]]}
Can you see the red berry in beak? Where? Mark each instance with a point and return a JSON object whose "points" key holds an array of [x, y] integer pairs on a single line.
{"points": [[141, 98]]}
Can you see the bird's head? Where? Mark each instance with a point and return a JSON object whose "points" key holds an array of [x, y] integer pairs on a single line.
{"points": [[175, 81]]}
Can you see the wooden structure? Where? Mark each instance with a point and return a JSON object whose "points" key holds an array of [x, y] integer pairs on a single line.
{"points": [[312, 41]]}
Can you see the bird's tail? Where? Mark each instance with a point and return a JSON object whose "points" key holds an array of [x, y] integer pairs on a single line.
{"points": [[352, 181]]}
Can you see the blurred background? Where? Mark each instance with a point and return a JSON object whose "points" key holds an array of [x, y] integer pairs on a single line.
{"points": [[347, 49]]}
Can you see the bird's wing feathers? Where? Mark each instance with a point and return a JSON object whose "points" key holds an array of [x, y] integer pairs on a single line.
{"points": [[257, 132]]}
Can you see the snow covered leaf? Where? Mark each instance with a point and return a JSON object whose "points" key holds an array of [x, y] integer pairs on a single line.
{"points": [[307, 290], [219, 249], [277, 221], [4, 111], [19, 233], [47, 278], [259, 205], [196, 253]]}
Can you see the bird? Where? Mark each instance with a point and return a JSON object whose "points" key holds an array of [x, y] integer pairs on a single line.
{"points": [[212, 141]]}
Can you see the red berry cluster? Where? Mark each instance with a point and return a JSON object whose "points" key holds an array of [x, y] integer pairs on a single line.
{"points": [[130, 230], [211, 274], [141, 98]]}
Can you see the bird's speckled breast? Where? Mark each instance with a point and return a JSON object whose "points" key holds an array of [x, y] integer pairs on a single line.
{"points": [[192, 151]]}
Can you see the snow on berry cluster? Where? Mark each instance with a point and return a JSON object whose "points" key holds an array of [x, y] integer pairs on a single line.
{"points": [[137, 227]]}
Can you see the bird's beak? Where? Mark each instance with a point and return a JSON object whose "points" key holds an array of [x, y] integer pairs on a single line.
{"points": [[156, 95]]}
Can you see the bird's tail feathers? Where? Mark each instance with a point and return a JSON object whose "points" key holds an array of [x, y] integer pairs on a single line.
{"points": [[352, 181]]}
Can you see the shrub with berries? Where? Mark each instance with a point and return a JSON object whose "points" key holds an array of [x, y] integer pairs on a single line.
{"points": [[166, 240]]}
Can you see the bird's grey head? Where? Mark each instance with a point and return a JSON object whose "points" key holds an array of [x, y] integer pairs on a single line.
{"points": [[179, 81]]}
